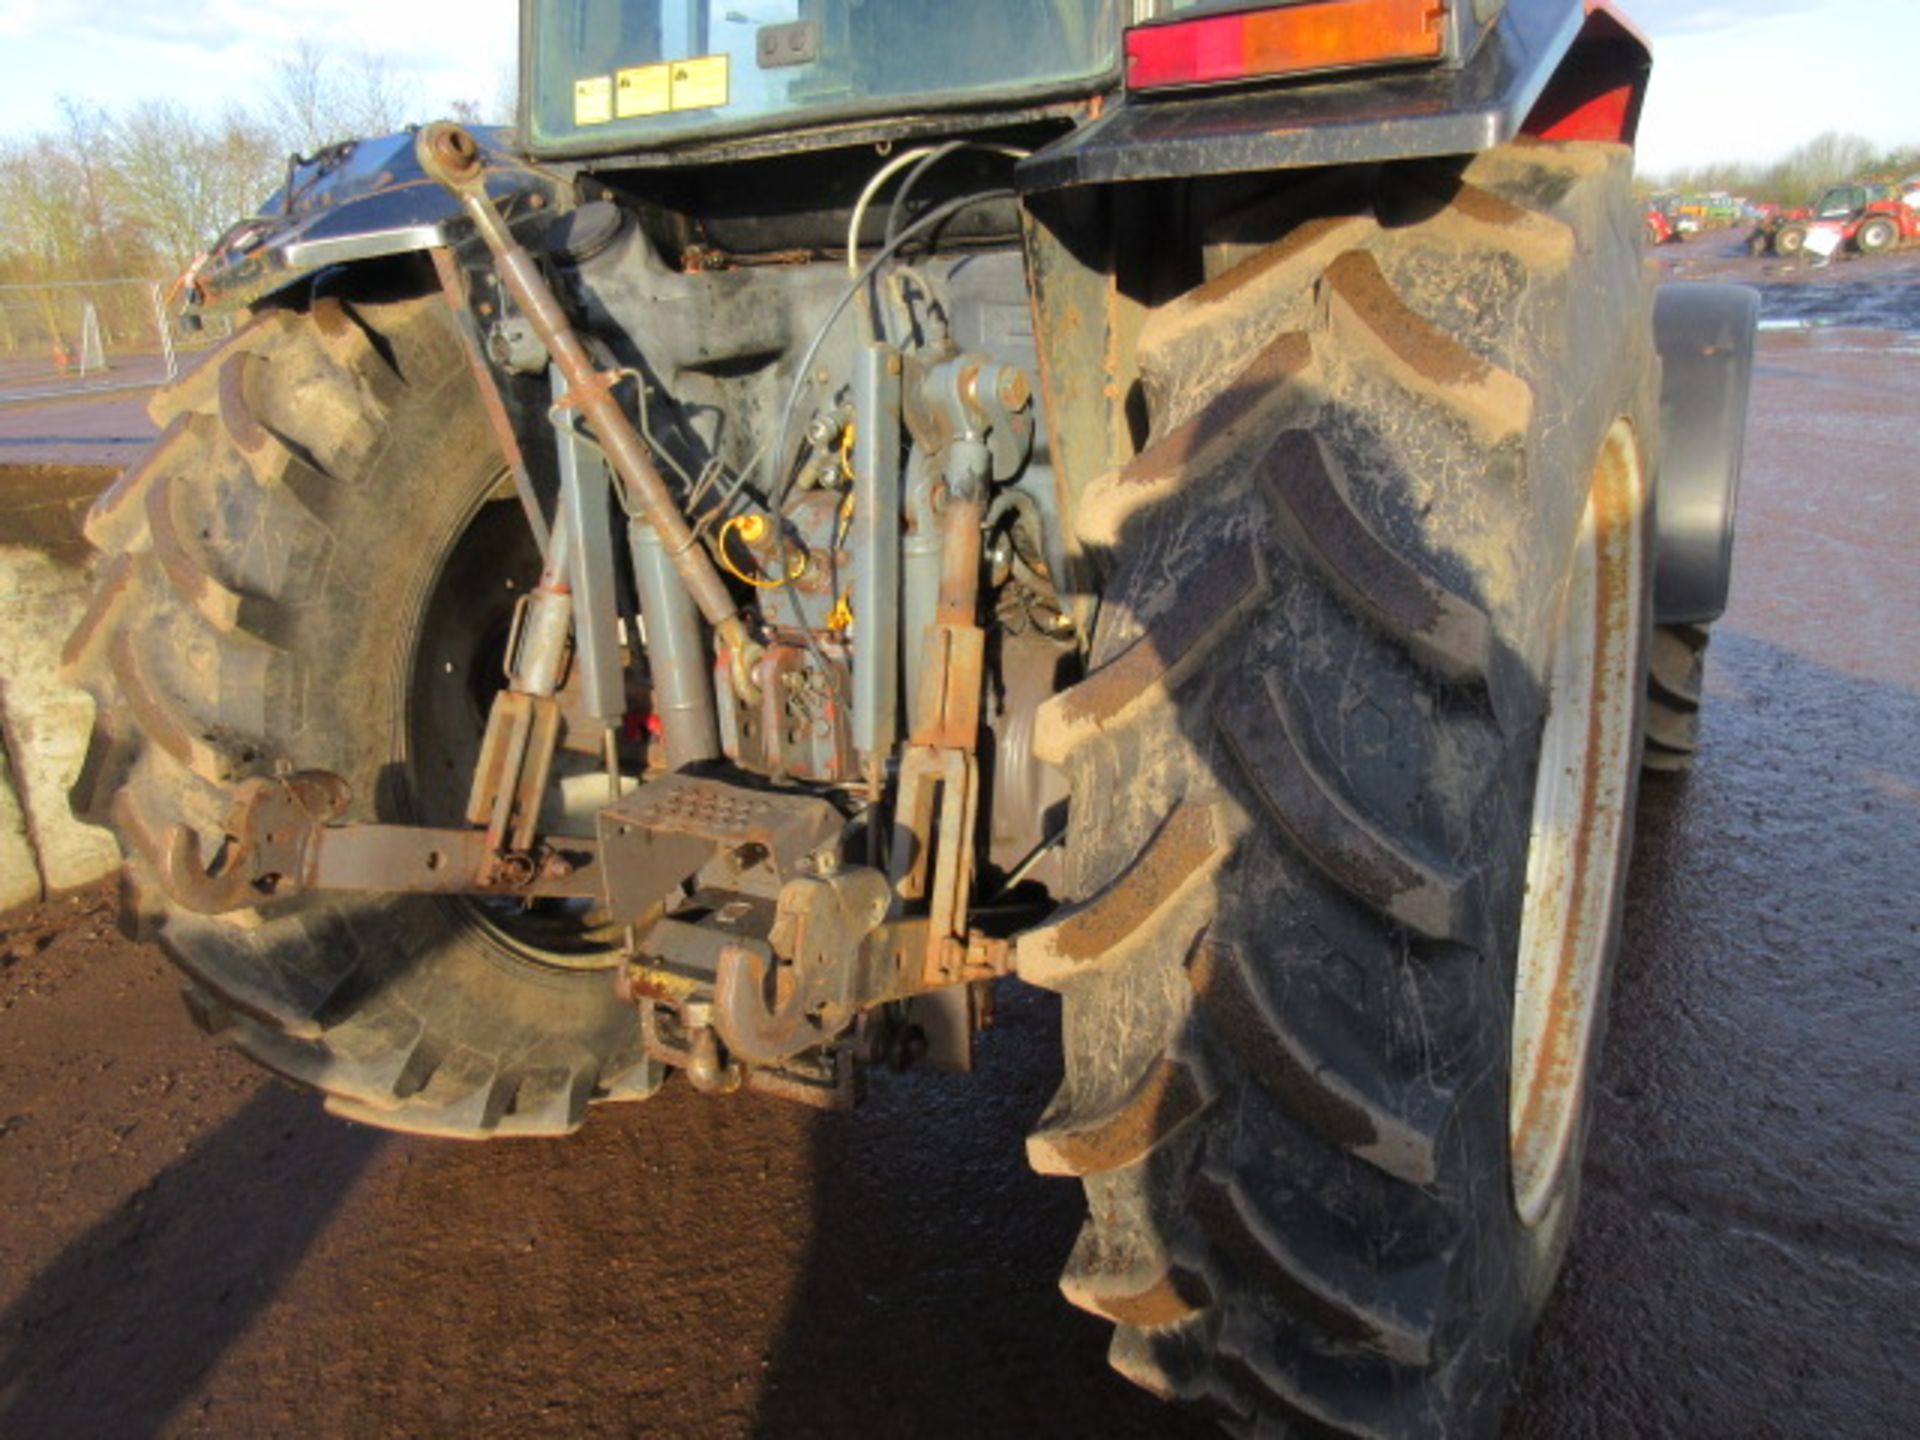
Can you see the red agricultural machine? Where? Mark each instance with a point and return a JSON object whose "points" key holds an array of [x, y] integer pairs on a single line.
{"points": [[1658, 226], [1866, 216]]}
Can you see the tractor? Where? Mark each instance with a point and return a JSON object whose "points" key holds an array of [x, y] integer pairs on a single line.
{"points": [[1656, 222], [1870, 217], [849, 504]]}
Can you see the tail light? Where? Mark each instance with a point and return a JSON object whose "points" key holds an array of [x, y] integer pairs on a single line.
{"points": [[1285, 40]]}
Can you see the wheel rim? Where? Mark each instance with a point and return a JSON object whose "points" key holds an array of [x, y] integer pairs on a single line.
{"points": [[456, 668], [1583, 795]]}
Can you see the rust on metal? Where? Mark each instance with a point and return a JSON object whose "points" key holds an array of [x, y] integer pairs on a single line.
{"points": [[516, 761], [448, 153], [756, 1032], [935, 819], [279, 839], [266, 844], [453, 284], [1553, 1081]]}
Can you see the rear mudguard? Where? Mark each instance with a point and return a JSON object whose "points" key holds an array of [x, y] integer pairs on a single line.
{"points": [[1705, 335], [362, 200], [1559, 69]]}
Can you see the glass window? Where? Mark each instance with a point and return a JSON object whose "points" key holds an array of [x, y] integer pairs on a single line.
{"points": [[1840, 202], [635, 70]]}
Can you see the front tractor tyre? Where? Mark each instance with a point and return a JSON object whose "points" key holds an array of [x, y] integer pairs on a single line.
{"points": [[1352, 775], [316, 566]]}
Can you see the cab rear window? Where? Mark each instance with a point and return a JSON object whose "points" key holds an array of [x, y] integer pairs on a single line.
{"points": [[611, 72]]}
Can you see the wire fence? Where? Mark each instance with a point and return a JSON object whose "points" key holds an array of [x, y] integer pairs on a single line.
{"points": [[62, 338]]}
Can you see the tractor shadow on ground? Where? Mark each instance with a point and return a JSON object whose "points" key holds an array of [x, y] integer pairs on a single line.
{"points": [[117, 1334], [928, 1303]]}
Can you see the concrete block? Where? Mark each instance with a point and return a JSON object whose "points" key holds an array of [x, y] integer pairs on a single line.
{"points": [[45, 581], [19, 866]]}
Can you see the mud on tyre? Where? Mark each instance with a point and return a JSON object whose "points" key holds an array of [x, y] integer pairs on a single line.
{"points": [[1303, 767], [285, 578]]}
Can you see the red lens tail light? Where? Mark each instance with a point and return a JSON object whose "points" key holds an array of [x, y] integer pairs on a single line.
{"points": [[1289, 40]]}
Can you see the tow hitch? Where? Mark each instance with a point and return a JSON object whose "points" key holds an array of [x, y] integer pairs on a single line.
{"points": [[752, 951]]}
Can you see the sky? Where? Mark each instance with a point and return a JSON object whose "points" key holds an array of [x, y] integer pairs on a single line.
{"points": [[1733, 79]]}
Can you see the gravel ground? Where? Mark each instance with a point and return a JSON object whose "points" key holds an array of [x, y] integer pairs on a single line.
{"points": [[194, 1250]]}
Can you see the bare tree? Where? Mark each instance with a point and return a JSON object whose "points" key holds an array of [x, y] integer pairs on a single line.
{"points": [[43, 230], [302, 104], [1801, 175], [500, 108], [183, 180], [87, 132], [321, 97], [376, 96]]}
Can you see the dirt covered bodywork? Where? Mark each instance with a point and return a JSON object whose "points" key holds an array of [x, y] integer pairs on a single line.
{"points": [[856, 501]]}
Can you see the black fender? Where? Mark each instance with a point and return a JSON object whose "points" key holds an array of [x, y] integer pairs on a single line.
{"points": [[1559, 69], [1705, 336], [358, 201]]}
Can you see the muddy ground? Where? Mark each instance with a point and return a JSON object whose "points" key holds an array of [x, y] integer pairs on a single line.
{"points": [[190, 1249]]}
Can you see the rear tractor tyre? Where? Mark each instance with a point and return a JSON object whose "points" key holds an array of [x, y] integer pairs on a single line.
{"points": [[1352, 775], [315, 565]]}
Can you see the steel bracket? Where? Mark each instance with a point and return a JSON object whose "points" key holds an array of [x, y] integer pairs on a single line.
{"points": [[278, 841]]}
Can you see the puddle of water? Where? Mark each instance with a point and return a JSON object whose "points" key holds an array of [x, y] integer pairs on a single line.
{"points": [[1867, 305]]}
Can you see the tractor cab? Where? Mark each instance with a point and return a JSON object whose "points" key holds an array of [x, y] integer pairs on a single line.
{"points": [[1844, 202]]}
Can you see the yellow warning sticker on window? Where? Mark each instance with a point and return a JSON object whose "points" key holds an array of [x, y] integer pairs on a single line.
{"points": [[700, 84], [647, 90], [593, 100]]}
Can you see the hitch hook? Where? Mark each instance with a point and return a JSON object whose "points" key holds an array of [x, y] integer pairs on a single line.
{"points": [[268, 838], [754, 1031]]}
